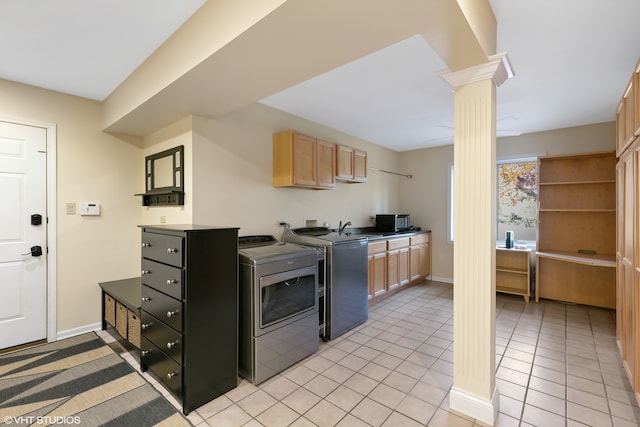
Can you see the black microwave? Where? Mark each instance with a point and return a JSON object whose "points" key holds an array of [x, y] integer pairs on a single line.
{"points": [[392, 222]]}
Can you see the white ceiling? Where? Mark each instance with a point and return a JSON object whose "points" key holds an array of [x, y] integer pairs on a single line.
{"points": [[84, 47], [572, 59]]}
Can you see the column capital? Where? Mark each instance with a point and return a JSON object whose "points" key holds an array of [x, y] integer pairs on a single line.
{"points": [[498, 68]]}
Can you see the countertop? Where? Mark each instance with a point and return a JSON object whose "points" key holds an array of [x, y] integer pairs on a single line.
{"points": [[372, 234]]}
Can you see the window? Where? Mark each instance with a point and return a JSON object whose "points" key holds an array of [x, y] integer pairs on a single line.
{"points": [[517, 198]]}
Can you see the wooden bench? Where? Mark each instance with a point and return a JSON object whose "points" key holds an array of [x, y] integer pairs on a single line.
{"points": [[121, 303]]}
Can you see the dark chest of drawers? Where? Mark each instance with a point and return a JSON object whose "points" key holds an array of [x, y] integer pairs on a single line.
{"points": [[189, 319]]}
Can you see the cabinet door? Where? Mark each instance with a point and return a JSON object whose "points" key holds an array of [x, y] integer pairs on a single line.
{"points": [[403, 266], [636, 100], [621, 127], [620, 184], [359, 165], [419, 261], [326, 164], [344, 162], [625, 120], [304, 160], [377, 274], [414, 263], [425, 260], [629, 111], [393, 266]]}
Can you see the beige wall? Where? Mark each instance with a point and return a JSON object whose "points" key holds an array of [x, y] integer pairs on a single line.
{"points": [[176, 134], [233, 181], [425, 196], [91, 166]]}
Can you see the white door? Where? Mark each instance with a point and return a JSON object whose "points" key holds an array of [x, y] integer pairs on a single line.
{"points": [[23, 272]]}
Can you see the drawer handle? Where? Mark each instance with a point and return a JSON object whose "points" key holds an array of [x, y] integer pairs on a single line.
{"points": [[145, 272], [172, 250], [172, 313], [170, 375], [146, 326], [146, 245], [172, 344], [144, 352], [146, 298], [171, 282]]}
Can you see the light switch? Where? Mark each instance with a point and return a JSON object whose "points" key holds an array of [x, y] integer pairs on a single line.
{"points": [[89, 208]]}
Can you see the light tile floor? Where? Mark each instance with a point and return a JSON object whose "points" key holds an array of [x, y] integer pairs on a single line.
{"points": [[557, 365]]}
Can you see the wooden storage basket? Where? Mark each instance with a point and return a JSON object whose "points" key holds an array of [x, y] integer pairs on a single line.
{"points": [[133, 327], [121, 319], [110, 310]]}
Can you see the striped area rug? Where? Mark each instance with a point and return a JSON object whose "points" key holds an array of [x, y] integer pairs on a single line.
{"points": [[79, 381]]}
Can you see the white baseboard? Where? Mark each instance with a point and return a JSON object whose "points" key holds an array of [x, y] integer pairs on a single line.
{"points": [[441, 279], [473, 406], [78, 331]]}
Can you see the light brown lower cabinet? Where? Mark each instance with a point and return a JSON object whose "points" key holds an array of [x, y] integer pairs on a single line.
{"points": [[419, 257], [397, 262]]}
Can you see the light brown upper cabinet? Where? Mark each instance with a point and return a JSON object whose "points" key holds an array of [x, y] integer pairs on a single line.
{"points": [[351, 164], [625, 131], [636, 99], [303, 161], [628, 113]]}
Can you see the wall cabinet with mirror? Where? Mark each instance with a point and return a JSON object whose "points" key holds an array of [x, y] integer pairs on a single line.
{"points": [[164, 178]]}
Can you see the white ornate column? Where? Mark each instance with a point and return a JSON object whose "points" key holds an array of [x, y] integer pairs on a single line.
{"points": [[474, 392]]}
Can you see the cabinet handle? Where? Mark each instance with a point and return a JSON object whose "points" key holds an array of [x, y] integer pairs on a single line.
{"points": [[170, 375], [146, 298], [145, 272], [171, 282], [172, 344], [144, 352], [172, 250], [146, 325], [172, 313], [146, 245]]}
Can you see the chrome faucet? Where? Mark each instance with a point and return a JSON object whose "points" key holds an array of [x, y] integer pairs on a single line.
{"points": [[342, 227]]}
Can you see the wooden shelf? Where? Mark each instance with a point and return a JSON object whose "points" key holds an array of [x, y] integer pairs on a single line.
{"points": [[513, 271], [578, 210], [607, 181], [598, 260], [162, 197], [584, 167], [576, 213]]}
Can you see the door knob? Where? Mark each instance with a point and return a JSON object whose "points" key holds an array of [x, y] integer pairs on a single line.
{"points": [[35, 251], [36, 219]]}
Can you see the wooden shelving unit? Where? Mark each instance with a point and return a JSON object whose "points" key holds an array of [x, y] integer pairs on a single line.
{"points": [[575, 255], [513, 271]]}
